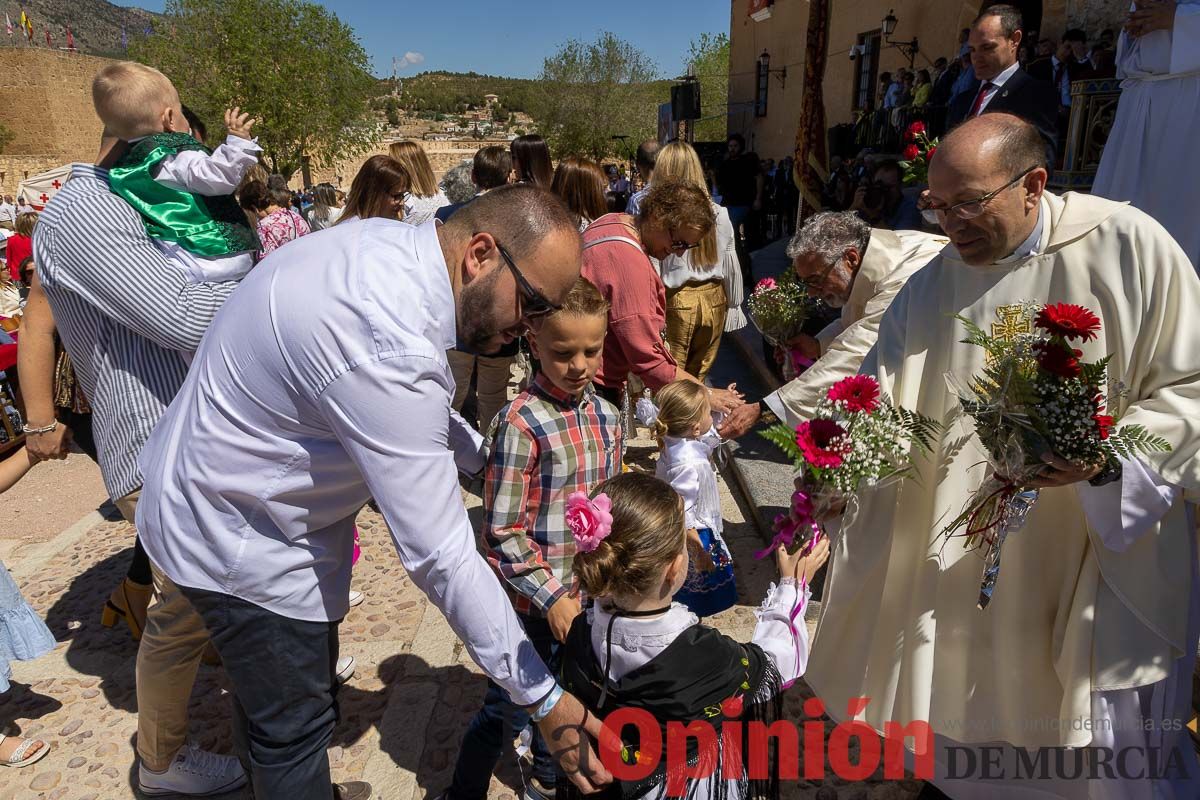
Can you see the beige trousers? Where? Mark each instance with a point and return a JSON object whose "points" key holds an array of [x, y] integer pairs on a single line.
{"points": [[695, 322], [167, 660], [493, 378]]}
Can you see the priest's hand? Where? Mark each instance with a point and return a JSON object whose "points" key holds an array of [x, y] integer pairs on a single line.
{"points": [[1060, 472], [566, 730], [1149, 16], [739, 421], [561, 615]]}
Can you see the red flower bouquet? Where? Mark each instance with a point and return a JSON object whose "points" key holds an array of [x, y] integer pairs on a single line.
{"points": [[918, 152], [1036, 396], [857, 439]]}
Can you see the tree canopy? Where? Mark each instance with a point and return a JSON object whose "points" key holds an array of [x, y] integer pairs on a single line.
{"points": [[709, 56], [592, 91], [292, 64]]}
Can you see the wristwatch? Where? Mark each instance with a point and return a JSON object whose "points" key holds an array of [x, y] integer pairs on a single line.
{"points": [[765, 415], [1107, 475]]}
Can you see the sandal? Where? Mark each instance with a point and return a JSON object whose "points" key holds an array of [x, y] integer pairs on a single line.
{"points": [[21, 757]]}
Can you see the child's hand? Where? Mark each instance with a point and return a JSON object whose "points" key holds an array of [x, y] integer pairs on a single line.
{"points": [[804, 563], [562, 614], [238, 124], [701, 558]]}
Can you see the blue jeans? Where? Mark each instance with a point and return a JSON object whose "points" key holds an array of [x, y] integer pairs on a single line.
{"points": [[492, 730]]}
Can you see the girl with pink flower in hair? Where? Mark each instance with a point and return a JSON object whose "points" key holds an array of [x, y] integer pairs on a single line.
{"points": [[635, 648]]}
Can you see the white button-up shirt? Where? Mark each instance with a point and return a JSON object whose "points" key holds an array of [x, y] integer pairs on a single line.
{"points": [[321, 383], [997, 84]]}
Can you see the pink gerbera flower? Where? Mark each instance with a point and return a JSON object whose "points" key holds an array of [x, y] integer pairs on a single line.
{"points": [[822, 443]]}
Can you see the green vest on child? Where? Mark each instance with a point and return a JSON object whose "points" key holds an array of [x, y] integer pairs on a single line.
{"points": [[209, 227]]}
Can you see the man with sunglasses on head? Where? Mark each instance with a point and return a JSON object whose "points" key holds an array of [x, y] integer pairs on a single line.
{"points": [[296, 412], [1090, 637], [848, 265]]}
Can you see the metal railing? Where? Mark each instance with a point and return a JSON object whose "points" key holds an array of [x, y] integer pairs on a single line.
{"points": [[883, 129], [1093, 109]]}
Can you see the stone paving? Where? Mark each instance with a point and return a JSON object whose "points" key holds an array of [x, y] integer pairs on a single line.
{"points": [[402, 715]]}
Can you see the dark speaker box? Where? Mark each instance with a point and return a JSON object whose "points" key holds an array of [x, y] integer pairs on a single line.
{"points": [[685, 101]]}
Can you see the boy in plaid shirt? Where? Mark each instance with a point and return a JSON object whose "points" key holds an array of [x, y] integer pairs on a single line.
{"points": [[555, 438]]}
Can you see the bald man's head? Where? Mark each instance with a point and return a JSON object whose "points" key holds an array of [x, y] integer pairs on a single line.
{"points": [[1000, 158], [999, 142]]}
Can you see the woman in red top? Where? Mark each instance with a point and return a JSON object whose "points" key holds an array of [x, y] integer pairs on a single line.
{"points": [[20, 244], [617, 248]]}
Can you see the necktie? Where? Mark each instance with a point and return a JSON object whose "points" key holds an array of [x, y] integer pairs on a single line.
{"points": [[983, 93]]}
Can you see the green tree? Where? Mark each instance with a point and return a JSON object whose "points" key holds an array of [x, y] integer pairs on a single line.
{"points": [[392, 109], [709, 57], [593, 90], [295, 66]]}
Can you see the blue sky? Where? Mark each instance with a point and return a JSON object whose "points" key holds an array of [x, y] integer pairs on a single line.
{"points": [[512, 38]]}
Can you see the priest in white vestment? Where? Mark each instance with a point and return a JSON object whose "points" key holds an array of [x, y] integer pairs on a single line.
{"points": [[1151, 158], [859, 269], [1090, 637]]}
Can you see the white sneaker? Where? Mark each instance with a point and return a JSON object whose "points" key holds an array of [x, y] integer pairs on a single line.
{"points": [[344, 669], [194, 772], [356, 598]]}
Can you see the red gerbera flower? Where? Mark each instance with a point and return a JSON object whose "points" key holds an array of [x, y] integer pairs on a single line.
{"points": [[1104, 423], [859, 393], [916, 127], [912, 153], [1068, 321], [1058, 360], [821, 443], [929, 153]]}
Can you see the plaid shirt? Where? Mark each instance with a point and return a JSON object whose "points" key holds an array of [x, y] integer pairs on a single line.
{"points": [[547, 446]]}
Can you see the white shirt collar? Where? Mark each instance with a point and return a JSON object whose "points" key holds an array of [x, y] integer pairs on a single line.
{"points": [[1005, 76], [1032, 244]]}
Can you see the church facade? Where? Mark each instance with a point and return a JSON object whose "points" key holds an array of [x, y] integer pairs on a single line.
{"points": [[765, 93]]}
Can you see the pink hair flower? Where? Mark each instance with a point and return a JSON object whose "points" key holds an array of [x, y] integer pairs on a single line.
{"points": [[589, 519]]}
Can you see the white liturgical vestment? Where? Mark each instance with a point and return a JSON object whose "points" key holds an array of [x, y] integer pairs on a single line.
{"points": [[1090, 617], [890, 260], [1150, 157]]}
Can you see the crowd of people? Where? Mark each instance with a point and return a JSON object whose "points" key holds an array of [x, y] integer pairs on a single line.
{"points": [[169, 330], [1004, 55]]}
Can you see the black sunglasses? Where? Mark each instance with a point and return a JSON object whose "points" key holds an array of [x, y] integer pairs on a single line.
{"points": [[533, 303], [679, 244]]}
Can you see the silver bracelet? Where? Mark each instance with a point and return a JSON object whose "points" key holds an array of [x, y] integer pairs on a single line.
{"points": [[26, 429]]}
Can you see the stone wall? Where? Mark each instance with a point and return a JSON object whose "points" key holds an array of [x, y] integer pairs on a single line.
{"points": [[47, 100], [442, 156]]}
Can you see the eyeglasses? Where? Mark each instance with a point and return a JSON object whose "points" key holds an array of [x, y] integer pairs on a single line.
{"points": [[819, 281], [400, 197], [680, 245], [533, 303], [968, 209]]}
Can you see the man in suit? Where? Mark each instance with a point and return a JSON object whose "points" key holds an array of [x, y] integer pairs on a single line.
{"points": [[1062, 69], [1001, 84]]}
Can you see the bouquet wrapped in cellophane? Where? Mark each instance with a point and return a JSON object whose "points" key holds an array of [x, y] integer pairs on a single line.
{"points": [[1035, 397], [779, 307], [857, 439]]}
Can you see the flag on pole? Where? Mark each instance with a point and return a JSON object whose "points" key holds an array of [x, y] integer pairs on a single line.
{"points": [[8, 24], [27, 23], [49, 43], [70, 40], [124, 39]]}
